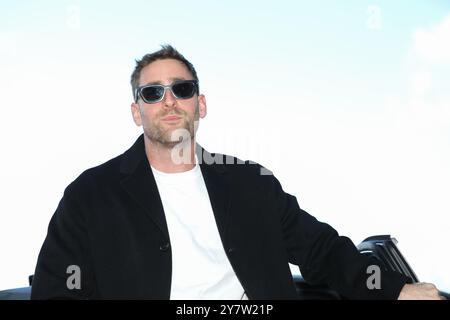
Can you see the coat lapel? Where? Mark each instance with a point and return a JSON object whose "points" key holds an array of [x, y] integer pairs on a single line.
{"points": [[139, 182]]}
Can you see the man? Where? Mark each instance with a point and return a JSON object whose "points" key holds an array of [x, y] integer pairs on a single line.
{"points": [[167, 219]]}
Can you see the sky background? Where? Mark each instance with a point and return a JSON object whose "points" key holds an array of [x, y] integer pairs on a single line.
{"points": [[348, 103]]}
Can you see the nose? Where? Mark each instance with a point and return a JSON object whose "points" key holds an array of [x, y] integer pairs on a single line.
{"points": [[169, 100]]}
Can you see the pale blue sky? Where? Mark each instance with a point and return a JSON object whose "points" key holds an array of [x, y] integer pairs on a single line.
{"points": [[312, 46], [359, 101]]}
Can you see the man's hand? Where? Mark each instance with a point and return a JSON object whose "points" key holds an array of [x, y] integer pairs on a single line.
{"points": [[420, 291]]}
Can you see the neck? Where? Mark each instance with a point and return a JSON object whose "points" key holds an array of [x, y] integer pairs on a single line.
{"points": [[171, 158]]}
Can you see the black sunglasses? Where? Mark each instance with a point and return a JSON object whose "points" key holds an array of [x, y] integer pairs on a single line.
{"points": [[182, 89]]}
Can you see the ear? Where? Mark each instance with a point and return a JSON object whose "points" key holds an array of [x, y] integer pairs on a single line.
{"points": [[136, 113], [202, 105]]}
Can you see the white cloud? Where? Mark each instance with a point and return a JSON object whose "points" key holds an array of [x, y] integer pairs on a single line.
{"points": [[432, 45], [423, 120], [428, 65]]}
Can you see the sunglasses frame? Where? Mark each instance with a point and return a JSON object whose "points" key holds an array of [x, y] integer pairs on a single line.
{"points": [[138, 92]]}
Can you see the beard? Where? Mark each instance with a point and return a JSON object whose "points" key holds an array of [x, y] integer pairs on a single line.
{"points": [[169, 136]]}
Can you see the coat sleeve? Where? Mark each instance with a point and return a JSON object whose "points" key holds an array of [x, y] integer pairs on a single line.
{"points": [[323, 256], [64, 269]]}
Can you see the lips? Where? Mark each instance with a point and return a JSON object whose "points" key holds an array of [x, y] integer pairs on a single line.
{"points": [[171, 118]]}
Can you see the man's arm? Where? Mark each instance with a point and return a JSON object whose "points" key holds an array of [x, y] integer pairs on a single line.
{"points": [[64, 269], [324, 257]]}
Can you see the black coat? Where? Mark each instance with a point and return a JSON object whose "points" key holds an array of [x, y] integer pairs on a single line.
{"points": [[111, 223]]}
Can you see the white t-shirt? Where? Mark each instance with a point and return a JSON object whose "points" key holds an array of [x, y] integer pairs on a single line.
{"points": [[200, 267]]}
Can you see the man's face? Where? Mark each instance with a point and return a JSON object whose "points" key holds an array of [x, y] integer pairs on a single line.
{"points": [[164, 121]]}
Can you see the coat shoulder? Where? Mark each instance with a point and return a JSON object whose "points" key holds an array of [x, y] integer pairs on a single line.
{"points": [[243, 169], [97, 177]]}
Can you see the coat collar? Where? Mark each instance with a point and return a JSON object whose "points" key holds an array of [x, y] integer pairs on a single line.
{"points": [[139, 182]]}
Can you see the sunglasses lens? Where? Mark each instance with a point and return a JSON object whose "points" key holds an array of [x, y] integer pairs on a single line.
{"points": [[153, 93], [184, 90]]}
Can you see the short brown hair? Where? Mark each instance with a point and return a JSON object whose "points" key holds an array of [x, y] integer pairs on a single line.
{"points": [[166, 52]]}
